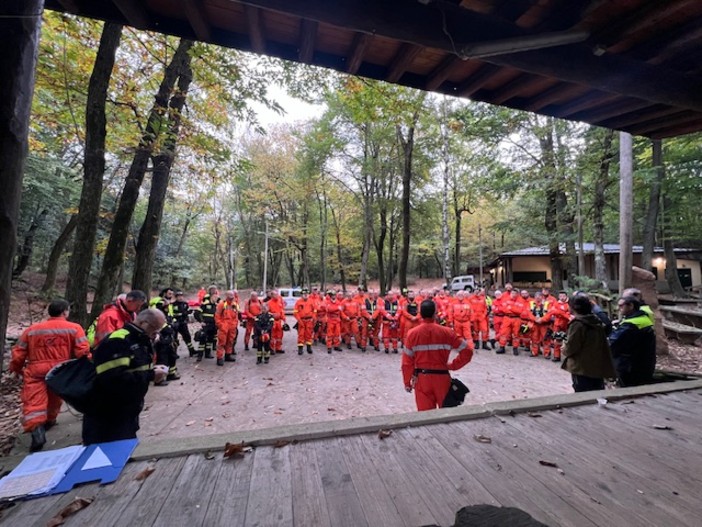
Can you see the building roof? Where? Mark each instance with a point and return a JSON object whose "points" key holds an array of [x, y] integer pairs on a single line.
{"points": [[627, 65], [609, 248]]}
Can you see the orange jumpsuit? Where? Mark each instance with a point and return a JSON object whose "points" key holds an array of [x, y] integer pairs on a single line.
{"points": [[479, 317], [374, 308], [460, 315], [410, 317], [252, 310], [535, 317], [425, 362], [497, 314], [391, 325], [511, 322], [560, 314], [41, 347], [113, 317], [320, 331], [276, 307], [227, 321], [333, 310], [352, 312], [305, 312]]}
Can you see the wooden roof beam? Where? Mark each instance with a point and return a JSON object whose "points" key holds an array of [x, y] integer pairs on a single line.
{"points": [[195, 12], [585, 102], [521, 84], [673, 131], [442, 72], [308, 35], [71, 6], [358, 49], [651, 126], [557, 93], [403, 58], [134, 12], [255, 25], [477, 80], [684, 40], [612, 110], [632, 118]]}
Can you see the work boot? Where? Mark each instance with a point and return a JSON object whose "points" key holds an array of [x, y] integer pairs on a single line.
{"points": [[220, 362], [299, 350], [492, 343], [173, 376], [501, 351], [259, 360], [265, 361], [49, 425], [309, 348], [191, 351], [38, 439], [329, 351], [229, 358], [386, 350], [556, 359], [485, 345], [280, 351], [348, 346], [515, 350], [476, 344], [199, 357], [208, 355], [363, 350], [394, 350], [246, 347], [337, 348], [376, 348]]}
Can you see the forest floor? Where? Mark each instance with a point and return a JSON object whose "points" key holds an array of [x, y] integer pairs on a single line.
{"points": [[293, 389]]}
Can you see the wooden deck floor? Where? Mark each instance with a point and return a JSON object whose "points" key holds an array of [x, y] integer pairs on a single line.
{"points": [[615, 466]]}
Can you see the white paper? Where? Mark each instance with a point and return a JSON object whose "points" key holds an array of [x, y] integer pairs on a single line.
{"points": [[97, 459], [40, 472]]}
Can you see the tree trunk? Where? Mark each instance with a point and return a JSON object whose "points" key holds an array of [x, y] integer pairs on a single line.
{"points": [[671, 269], [56, 252], [379, 250], [339, 256], [114, 254], [654, 200], [150, 229], [601, 184], [445, 235], [626, 200], [81, 261], [25, 252], [407, 144], [20, 26]]}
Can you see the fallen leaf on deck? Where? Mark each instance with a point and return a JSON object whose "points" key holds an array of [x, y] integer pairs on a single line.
{"points": [[234, 450], [482, 439], [382, 434], [331, 409], [280, 443], [70, 509], [190, 423], [561, 472], [548, 463], [144, 473], [210, 419], [270, 384], [209, 455], [268, 378], [629, 402], [534, 414], [662, 427]]}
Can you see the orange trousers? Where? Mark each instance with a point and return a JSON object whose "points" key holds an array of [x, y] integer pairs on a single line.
{"points": [[39, 404], [510, 331], [277, 336], [430, 390], [226, 338], [305, 327], [333, 332]]}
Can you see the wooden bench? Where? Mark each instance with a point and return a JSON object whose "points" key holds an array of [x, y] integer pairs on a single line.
{"points": [[683, 333], [683, 315]]}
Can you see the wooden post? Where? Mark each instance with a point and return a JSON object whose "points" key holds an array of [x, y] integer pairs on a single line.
{"points": [[626, 205], [20, 23]]}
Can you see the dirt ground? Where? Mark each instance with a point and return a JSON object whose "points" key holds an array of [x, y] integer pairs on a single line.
{"points": [[294, 389]]}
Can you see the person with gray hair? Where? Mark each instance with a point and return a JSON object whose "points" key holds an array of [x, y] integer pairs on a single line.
{"points": [[123, 372], [633, 344]]}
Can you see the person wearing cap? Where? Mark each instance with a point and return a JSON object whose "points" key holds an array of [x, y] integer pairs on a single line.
{"points": [[374, 308], [276, 307], [391, 322], [425, 359], [252, 308], [333, 308], [560, 316], [320, 326], [227, 322], [205, 314], [181, 312], [409, 314], [305, 312], [633, 344]]}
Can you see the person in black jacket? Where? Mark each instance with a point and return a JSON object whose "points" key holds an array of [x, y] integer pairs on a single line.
{"points": [[633, 344], [262, 334], [124, 370], [181, 312]]}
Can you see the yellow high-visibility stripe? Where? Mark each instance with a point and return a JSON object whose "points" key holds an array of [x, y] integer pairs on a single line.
{"points": [[110, 364], [145, 367]]}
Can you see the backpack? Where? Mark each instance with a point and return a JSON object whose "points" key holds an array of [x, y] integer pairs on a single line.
{"points": [[73, 381]]}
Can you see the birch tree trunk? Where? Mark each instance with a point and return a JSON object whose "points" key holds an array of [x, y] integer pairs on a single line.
{"points": [[654, 201]]}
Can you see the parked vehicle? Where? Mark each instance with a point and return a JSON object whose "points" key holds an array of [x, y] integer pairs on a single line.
{"points": [[290, 295], [463, 283]]}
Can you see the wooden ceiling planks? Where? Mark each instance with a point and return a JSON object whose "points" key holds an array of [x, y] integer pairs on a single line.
{"points": [[638, 71]]}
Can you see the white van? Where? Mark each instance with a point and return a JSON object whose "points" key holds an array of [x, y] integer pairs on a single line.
{"points": [[463, 283], [290, 295]]}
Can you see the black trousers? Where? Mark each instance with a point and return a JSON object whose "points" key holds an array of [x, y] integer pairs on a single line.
{"points": [[581, 383], [98, 428], [183, 330]]}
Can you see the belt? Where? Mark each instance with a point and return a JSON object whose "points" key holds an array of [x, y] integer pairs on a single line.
{"points": [[512, 316], [307, 318], [434, 372]]}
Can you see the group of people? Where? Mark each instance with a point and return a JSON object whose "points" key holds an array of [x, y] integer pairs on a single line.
{"points": [[133, 343]]}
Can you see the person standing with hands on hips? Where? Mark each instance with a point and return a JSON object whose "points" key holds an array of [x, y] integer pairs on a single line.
{"points": [[425, 364]]}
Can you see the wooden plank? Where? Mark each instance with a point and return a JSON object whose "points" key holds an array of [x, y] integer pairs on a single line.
{"points": [[308, 36], [270, 494], [477, 80], [191, 492], [112, 499], [28, 512], [340, 493], [230, 495], [146, 505], [309, 506], [91, 490], [407, 493], [195, 13], [255, 25], [375, 497], [585, 474], [358, 48], [442, 72], [508, 482], [134, 12], [402, 60]]}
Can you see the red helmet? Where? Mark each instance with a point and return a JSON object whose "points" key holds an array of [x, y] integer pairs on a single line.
{"points": [[265, 337]]}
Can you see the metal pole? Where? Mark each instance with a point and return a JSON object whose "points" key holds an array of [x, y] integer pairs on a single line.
{"points": [[265, 260], [626, 200], [480, 249]]}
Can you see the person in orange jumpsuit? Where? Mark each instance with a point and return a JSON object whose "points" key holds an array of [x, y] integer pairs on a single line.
{"points": [[560, 314], [391, 322], [425, 366], [374, 307], [227, 321], [441, 299], [117, 314], [276, 307], [346, 330], [201, 294], [497, 315], [534, 317], [479, 320], [352, 313], [305, 312], [41, 347], [409, 315], [252, 308], [460, 314], [320, 325], [333, 310], [511, 308]]}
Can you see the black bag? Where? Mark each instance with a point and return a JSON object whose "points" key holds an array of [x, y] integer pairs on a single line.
{"points": [[456, 394], [286, 327], [73, 381]]}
